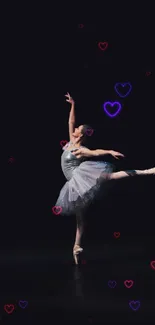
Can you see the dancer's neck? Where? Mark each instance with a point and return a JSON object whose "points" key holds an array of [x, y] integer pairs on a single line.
{"points": [[77, 145]]}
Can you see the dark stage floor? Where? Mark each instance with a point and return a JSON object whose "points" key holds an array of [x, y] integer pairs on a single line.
{"points": [[56, 291]]}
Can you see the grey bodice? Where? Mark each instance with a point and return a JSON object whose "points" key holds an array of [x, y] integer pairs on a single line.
{"points": [[69, 162]]}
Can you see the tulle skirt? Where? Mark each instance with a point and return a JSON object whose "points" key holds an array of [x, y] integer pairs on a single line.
{"points": [[88, 182]]}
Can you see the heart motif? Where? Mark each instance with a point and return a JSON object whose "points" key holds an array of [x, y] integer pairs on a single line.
{"points": [[63, 143], [89, 132], [128, 283], [102, 46], [134, 305], [11, 160], [23, 304], [83, 262], [9, 308], [80, 25], [90, 320], [124, 89], [153, 265], [112, 104], [116, 234], [57, 210], [112, 284], [148, 73]]}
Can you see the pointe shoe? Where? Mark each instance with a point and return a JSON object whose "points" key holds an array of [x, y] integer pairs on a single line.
{"points": [[77, 250], [150, 171]]}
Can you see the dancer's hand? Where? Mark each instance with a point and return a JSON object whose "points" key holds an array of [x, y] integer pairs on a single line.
{"points": [[70, 99], [116, 154], [82, 152]]}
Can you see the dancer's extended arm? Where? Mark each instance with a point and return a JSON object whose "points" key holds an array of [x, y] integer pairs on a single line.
{"points": [[85, 152], [71, 121], [101, 152]]}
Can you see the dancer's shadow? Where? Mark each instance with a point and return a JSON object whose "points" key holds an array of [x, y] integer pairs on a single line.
{"points": [[78, 281]]}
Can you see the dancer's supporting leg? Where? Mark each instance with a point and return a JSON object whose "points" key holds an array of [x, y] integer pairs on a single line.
{"points": [[127, 173], [80, 227], [79, 232]]}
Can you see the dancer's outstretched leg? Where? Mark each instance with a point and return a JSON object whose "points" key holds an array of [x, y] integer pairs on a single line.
{"points": [[79, 232], [127, 173]]}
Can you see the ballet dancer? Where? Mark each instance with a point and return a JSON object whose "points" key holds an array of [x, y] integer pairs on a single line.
{"points": [[85, 178]]}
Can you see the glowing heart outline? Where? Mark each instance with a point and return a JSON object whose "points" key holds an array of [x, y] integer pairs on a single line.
{"points": [[55, 208], [152, 264], [123, 85], [102, 43], [112, 284], [7, 307], [117, 234], [112, 104], [11, 160], [130, 285], [23, 304], [134, 302], [81, 25], [89, 132], [63, 141]]}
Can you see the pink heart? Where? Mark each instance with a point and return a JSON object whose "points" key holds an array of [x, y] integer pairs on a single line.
{"points": [[81, 25], [63, 143], [103, 45], [57, 210], [128, 283], [116, 234], [83, 262], [148, 73], [153, 265], [11, 160], [9, 308]]}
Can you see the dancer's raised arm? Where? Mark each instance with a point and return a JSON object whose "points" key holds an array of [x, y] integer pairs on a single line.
{"points": [[71, 121]]}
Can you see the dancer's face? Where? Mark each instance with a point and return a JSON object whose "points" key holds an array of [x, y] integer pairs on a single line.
{"points": [[78, 132]]}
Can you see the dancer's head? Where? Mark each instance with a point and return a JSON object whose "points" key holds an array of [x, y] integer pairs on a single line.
{"points": [[83, 132]]}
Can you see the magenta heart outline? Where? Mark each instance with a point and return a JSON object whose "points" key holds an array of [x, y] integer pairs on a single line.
{"points": [[100, 45], [112, 104], [152, 265], [128, 286], [80, 25], [57, 208], [11, 309], [117, 234], [11, 160], [63, 141], [123, 85]]}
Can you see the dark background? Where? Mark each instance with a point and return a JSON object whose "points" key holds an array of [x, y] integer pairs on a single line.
{"points": [[43, 59], [45, 55]]}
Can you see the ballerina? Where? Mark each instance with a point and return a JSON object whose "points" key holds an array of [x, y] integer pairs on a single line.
{"points": [[85, 178]]}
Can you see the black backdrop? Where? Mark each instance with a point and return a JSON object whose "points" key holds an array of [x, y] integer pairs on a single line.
{"points": [[44, 57]]}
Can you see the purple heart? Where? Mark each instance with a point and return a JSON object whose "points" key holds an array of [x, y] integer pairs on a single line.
{"points": [[89, 132], [23, 303], [112, 284], [118, 89], [134, 304], [111, 104]]}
